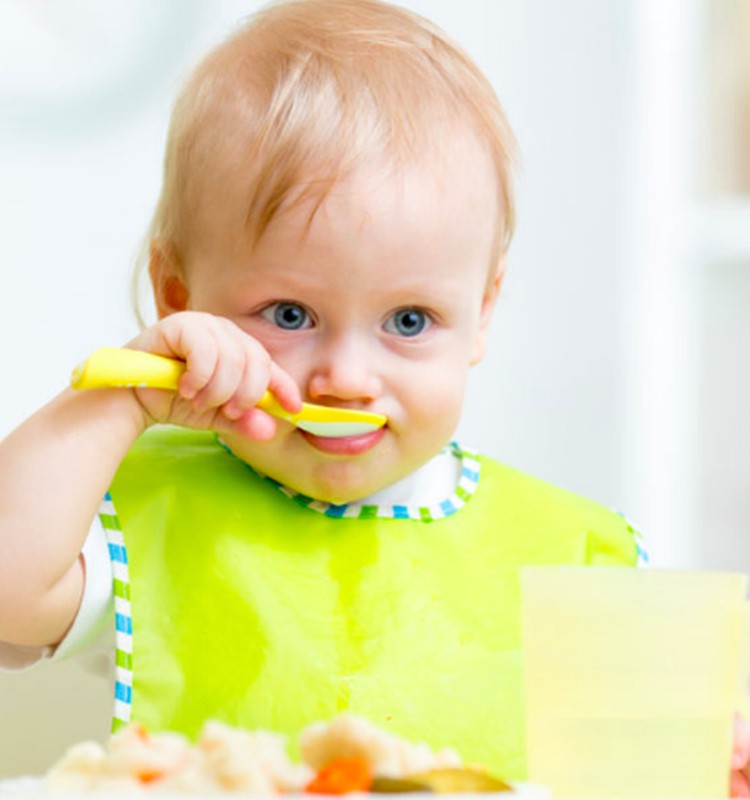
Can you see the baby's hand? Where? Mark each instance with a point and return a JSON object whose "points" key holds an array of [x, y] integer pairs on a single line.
{"points": [[227, 372], [740, 785]]}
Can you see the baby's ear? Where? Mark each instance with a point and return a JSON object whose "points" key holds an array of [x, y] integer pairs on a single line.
{"points": [[491, 293], [170, 292]]}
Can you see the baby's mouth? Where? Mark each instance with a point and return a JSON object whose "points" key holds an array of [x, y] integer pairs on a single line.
{"points": [[345, 445]]}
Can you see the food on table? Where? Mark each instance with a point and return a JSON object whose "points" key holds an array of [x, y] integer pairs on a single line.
{"points": [[341, 776], [455, 780], [348, 754]]}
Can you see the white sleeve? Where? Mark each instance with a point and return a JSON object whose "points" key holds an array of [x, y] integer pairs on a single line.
{"points": [[91, 636]]}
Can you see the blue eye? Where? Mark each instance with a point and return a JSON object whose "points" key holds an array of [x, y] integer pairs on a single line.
{"points": [[289, 316], [408, 322]]}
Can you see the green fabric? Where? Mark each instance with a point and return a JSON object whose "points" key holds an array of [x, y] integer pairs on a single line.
{"points": [[250, 608]]}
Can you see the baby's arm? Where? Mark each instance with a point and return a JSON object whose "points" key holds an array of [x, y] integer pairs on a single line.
{"points": [[56, 467], [54, 470]]}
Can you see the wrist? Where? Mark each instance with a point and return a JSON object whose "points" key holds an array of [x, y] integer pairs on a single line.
{"points": [[116, 410]]}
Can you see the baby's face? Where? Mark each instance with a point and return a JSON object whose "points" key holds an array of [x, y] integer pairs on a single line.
{"points": [[381, 305]]}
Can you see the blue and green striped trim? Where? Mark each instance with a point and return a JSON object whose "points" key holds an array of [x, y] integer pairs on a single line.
{"points": [[640, 543], [123, 619], [464, 491]]}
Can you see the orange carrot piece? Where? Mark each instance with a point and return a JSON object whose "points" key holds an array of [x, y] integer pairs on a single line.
{"points": [[150, 775], [340, 776], [140, 731]]}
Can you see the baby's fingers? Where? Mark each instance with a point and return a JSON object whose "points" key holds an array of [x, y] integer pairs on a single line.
{"points": [[239, 375], [739, 786], [741, 750], [254, 384], [255, 424], [238, 380], [200, 368], [285, 389], [191, 336], [250, 386]]}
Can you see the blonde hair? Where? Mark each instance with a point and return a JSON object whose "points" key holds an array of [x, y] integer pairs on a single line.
{"points": [[302, 92]]}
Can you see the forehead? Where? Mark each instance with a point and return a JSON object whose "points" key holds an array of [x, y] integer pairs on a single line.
{"points": [[451, 200], [449, 193]]}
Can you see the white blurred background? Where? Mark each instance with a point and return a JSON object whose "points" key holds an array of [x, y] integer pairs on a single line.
{"points": [[618, 365]]}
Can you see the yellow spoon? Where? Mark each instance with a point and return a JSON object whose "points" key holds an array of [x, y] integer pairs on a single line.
{"points": [[112, 367]]}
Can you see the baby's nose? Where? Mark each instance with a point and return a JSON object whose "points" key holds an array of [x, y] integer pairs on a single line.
{"points": [[344, 371]]}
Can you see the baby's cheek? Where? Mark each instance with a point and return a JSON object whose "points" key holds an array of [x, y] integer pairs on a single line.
{"points": [[440, 403]]}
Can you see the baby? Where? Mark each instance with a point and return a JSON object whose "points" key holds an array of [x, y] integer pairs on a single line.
{"points": [[336, 209]]}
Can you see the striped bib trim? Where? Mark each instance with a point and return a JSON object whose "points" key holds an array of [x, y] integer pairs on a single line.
{"points": [[465, 489], [118, 557]]}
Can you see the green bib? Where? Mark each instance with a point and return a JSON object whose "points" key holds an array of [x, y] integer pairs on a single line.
{"points": [[256, 608]]}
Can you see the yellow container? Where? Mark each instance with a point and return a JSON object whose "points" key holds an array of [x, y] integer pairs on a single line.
{"points": [[632, 678]]}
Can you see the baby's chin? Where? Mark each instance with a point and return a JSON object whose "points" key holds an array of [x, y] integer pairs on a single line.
{"points": [[346, 487], [329, 478], [336, 496]]}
